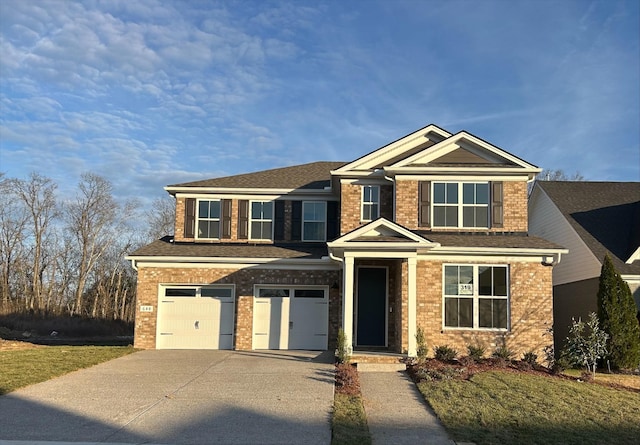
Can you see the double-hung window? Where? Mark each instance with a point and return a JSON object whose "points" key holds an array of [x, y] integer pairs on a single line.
{"points": [[461, 204], [370, 202], [314, 217], [208, 223], [261, 220], [476, 296]]}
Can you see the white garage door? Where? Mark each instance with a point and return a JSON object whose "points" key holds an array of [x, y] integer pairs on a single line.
{"points": [[290, 318], [195, 317]]}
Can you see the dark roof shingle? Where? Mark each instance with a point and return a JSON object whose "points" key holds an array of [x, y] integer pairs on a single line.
{"points": [[315, 175], [165, 247], [488, 239], [606, 215]]}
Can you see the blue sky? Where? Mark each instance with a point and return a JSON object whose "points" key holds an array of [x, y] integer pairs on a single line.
{"points": [[150, 93]]}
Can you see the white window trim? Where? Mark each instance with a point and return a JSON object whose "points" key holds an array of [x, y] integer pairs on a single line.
{"points": [[324, 221], [291, 288], [198, 219], [476, 298], [460, 205], [252, 219], [364, 203], [198, 288]]}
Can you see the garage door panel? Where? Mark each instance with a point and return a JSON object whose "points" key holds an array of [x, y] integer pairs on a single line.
{"points": [[193, 322], [291, 322]]}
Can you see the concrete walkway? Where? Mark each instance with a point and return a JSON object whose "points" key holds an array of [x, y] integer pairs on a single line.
{"points": [[397, 413]]}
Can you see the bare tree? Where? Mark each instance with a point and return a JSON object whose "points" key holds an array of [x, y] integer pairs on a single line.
{"points": [[38, 196], [161, 218], [92, 223], [558, 175]]}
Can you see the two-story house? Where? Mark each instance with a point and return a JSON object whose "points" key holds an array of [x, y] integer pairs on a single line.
{"points": [[428, 231]]}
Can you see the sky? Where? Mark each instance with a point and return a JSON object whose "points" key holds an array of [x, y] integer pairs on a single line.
{"points": [[150, 93]]}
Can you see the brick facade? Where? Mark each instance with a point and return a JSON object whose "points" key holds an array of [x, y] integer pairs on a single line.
{"points": [[149, 280]]}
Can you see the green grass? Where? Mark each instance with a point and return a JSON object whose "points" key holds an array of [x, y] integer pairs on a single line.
{"points": [[25, 367], [349, 422], [506, 408], [628, 380]]}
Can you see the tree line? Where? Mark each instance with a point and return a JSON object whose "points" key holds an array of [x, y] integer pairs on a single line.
{"points": [[67, 256]]}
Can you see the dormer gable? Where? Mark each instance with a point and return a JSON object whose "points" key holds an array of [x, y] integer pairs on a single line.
{"points": [[462, 153]]}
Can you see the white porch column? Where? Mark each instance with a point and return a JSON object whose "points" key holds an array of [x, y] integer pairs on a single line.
{"points": [[411, 306], [347, 300]]}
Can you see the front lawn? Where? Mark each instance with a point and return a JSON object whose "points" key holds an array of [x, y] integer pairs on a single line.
{"points": [[23, 367], [507, 407]]}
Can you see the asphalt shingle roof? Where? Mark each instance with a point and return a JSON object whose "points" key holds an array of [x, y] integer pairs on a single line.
{"points": [[506, 240], [166, 247], [315, 175], [606, 215]]}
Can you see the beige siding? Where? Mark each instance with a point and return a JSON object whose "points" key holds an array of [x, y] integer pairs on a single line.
{"points": [[546, 221]]}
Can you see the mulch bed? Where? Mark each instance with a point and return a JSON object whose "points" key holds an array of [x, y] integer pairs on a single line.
{"points": [[347, 381]]}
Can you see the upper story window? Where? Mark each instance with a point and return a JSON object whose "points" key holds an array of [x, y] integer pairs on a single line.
{"points": [[461, 204], [208, 222], [370, 202], [314, 217], [476, 296], [261, 225]]}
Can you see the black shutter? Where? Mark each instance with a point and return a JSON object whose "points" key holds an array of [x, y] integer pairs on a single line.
{"points": [[333, 228], [497, 207], [296, 220], [278, 230], [243, 219], [189, 217], [226, 218], [424, 198]]}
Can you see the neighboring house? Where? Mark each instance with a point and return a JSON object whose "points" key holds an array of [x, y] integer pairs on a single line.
{"points": [[591, 219], [428, 231]]}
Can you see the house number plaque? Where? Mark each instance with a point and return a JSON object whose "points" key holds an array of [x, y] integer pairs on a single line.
{"points": [[146, 308]]}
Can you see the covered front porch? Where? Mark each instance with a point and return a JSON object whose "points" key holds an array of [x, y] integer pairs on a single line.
{"points": [[379, 286]]}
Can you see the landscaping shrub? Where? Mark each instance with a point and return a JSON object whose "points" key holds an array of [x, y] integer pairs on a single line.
{"points": [[504, 353], [476, 352], [445, 353], [436, 374], [586, 348], [421, 344], [343, 353], [617, 315], [530, 358]]}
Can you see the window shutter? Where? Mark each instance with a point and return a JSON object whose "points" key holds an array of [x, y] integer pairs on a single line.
{"points": [[243, 219], [189, 217], [278, 230], [226, 218], [424, 209], [296, 220], [332, 220], [497, 208]]}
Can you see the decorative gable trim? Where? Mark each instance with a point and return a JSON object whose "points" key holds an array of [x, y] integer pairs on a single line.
{"points": [[635, 256], [369, 162], [494, 158], [381, 233]]}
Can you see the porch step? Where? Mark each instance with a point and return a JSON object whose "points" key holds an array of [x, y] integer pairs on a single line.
{"points": [[381, 367]]}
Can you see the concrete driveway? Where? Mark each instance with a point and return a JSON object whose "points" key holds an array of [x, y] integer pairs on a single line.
{"points": [[180, 397]]}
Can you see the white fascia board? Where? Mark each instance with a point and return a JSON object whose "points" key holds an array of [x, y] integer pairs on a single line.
{"points": [[373, 225], [411, 170], [227, 261], [392, 254], [368, 180], [635, 278], [463, 177], [461, 258], [546, 255], [382, 246], [327, 196], [244, 191], [390, 150], [635, 256]]}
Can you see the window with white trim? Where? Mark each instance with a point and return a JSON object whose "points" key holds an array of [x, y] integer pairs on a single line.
{"points": [[261, 224], [476, 296], [208, 222], [314, 217], [472, 211], [214, 291], [370, 202]]}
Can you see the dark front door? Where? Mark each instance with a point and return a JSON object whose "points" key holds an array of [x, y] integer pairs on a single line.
{"points": [[372, 306]]}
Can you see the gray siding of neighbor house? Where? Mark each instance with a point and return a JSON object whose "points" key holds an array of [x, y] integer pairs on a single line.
{"points": [[572, 300]]}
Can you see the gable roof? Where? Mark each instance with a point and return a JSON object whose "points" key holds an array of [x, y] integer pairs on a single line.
{"points": [[606, 216], [312, 176], [434, 150]]}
